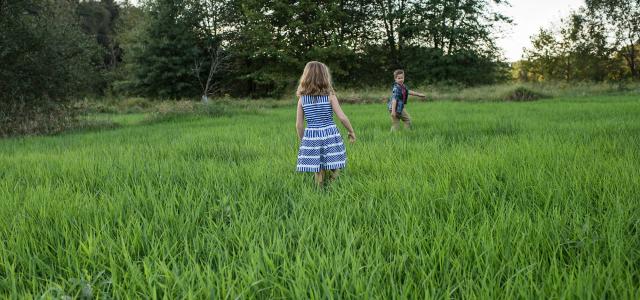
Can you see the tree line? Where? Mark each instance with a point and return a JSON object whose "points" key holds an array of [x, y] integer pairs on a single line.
{"points": [[53, 51], [186, 48], [598, 42]]}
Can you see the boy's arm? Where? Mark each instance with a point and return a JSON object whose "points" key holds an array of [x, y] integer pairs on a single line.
{"points": [[300, 120], [394, 103], [414, 93], [394, 100]]}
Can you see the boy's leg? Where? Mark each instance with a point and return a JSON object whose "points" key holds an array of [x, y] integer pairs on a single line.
{"points": [[394, 123], [406, 119]]}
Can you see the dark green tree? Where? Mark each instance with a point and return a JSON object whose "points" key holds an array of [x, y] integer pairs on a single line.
{"points": [[163, 60], [43, 53], [45, 61], [426, 37], [267, 42], [130, 29], [99, 19]]}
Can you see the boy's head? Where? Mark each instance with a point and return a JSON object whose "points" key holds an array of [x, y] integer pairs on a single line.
{"points": [[398, 76]]}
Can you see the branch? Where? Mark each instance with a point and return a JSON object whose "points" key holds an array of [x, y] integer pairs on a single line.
{"points": [[218, 62], [197, 64]]}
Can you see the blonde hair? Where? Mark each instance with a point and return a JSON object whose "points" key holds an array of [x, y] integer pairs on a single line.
{"points": [[315, 80], [397, 72]]}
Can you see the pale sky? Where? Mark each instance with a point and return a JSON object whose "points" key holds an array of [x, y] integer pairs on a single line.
{"points": [[528, 16]]}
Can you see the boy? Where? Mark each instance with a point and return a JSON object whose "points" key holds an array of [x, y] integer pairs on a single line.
{"points": [[398, 101]]}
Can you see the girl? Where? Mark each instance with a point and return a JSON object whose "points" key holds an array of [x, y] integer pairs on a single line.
{"points": [[321, 148]]}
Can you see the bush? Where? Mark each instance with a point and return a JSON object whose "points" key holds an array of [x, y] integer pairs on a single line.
{"points": [[134, 105], [523, 94], [46, 118], [117, 106]]}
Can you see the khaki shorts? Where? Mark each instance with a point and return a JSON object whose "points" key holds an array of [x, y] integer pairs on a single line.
{"points": [[404, 116]]}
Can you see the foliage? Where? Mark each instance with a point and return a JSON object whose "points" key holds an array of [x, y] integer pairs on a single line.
{"points": [[268, 43], [44, 117], [45, 60], [622, 18], [598, 42], [98, 19], [523, 94], [43, 54]]}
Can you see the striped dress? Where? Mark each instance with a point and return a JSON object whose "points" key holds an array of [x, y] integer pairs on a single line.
{"points": [[321, 147]]}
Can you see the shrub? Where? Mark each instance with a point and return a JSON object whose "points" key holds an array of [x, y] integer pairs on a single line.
{"points": [[134, 105], [22, 118], [523, 94]]}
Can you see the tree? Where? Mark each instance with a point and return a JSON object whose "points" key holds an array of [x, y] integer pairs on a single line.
{"points": [[99, 19], [591, 52], [429, 36], [46, 61], [214, 30], [579, 49], [43, 53], [541, 59], [215, 63], [623, 21], [267, 42], [165, 51], [130, 28]]}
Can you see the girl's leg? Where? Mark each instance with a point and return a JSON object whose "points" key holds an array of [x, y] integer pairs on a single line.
{"points": [[334, 174], [319, 176]]}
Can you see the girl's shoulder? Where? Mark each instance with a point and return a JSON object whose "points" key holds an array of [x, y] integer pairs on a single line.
{"points": [[314, 96], [315, 99]]}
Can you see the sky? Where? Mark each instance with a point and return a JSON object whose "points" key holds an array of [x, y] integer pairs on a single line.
{"points": [[528, 16]]}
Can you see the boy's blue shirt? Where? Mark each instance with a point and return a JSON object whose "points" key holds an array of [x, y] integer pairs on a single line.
{"points": [[396, 93]]}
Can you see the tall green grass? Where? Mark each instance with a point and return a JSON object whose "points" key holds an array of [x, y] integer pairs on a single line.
{"points": [[496, 92], [480, 200]]}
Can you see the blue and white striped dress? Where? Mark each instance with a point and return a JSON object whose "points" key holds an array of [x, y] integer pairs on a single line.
{"points": [[322, 147]]}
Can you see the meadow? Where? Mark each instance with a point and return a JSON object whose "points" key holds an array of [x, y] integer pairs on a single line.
{"points": [[480, 200]]}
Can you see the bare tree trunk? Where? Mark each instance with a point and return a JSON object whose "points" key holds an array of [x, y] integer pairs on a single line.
{"points": [[633, 66], [217, 62]]}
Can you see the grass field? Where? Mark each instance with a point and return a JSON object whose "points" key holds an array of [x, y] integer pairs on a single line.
{"points": [[488, 200]]}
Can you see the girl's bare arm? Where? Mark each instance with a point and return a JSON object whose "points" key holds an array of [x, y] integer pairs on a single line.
{"points": [[342, 117], [300, 120]]}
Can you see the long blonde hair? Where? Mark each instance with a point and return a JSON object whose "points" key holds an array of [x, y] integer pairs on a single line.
{"points": [[315, 80]]}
